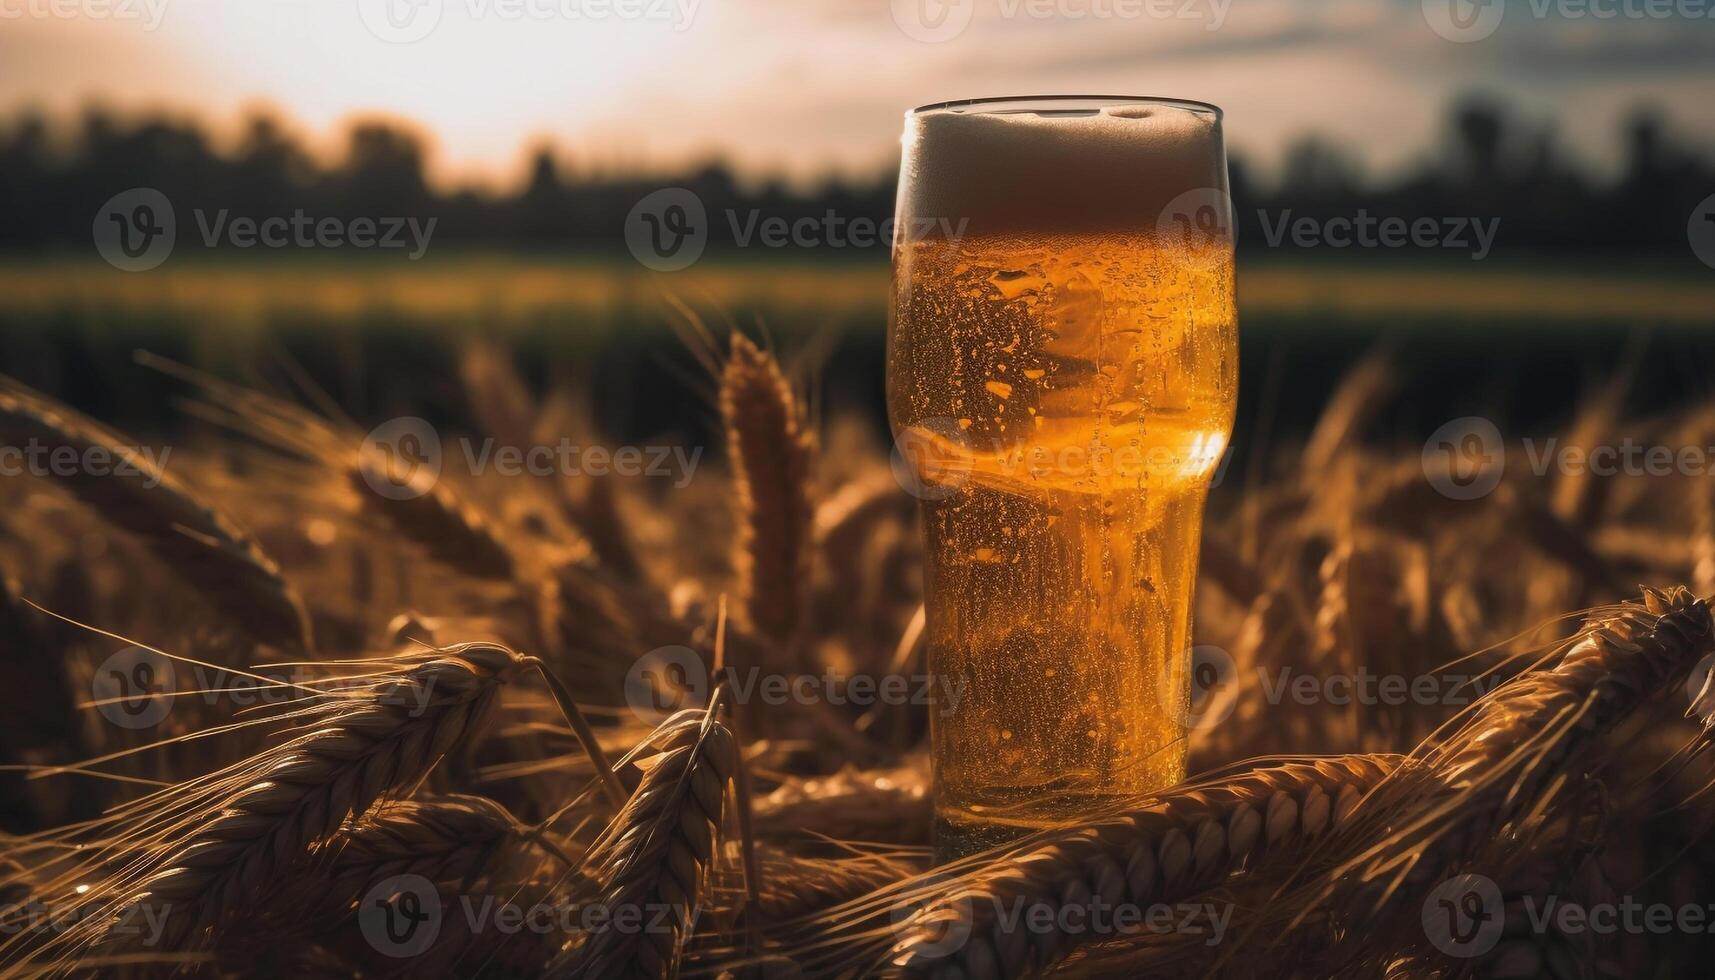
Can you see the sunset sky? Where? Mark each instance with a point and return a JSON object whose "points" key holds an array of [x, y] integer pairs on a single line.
{"points": [[803, 87]]}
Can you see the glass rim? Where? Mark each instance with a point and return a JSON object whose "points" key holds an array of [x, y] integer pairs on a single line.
{"points": [[1066, 101]]}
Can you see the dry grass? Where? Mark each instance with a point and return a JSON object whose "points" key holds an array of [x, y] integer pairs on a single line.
{"points": [[261, 816]]}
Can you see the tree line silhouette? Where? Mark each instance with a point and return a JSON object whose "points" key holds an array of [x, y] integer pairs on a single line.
{"points": [[1489, 164]]}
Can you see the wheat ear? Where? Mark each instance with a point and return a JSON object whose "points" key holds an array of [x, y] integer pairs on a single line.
{"points": [[653, 859], [202, 545], [793, 886], [441, 839], [876, 806], [436, 519], [299, 793], [1504, 760], [1187, 841], [772, 454], [1509, 751]]}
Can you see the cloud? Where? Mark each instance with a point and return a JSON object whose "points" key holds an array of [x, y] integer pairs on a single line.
{"points": [[1609, 48]]}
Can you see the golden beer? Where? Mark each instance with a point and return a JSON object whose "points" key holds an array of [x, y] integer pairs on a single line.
{"points": [[1061, 380]]}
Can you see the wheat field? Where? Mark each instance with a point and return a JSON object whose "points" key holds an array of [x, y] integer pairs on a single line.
{"points": [[262, 718]]}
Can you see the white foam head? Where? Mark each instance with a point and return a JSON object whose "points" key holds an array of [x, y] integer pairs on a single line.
{"points": [[1057, 166]]}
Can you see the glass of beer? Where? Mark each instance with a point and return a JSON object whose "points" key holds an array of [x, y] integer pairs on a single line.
{"points": [[1061, 380]]}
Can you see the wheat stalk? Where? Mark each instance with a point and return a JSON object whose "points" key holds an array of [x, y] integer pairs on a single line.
{"points": [[1361, 392], [362, 750], [772, 457], [653, 859], [1506, 760], [436, 519], [885, 806], [429, 513], [793, 886], [202, 545]]}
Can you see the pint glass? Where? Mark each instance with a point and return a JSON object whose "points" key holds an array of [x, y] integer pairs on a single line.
{"points": [[1061, 379]]}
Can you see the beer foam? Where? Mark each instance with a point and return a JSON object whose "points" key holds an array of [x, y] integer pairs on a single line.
{"points": [[1036, 170]]}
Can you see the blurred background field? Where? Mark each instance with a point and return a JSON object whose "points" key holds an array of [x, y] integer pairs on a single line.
{"points": [[1520, 342], [1590, 267]]}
